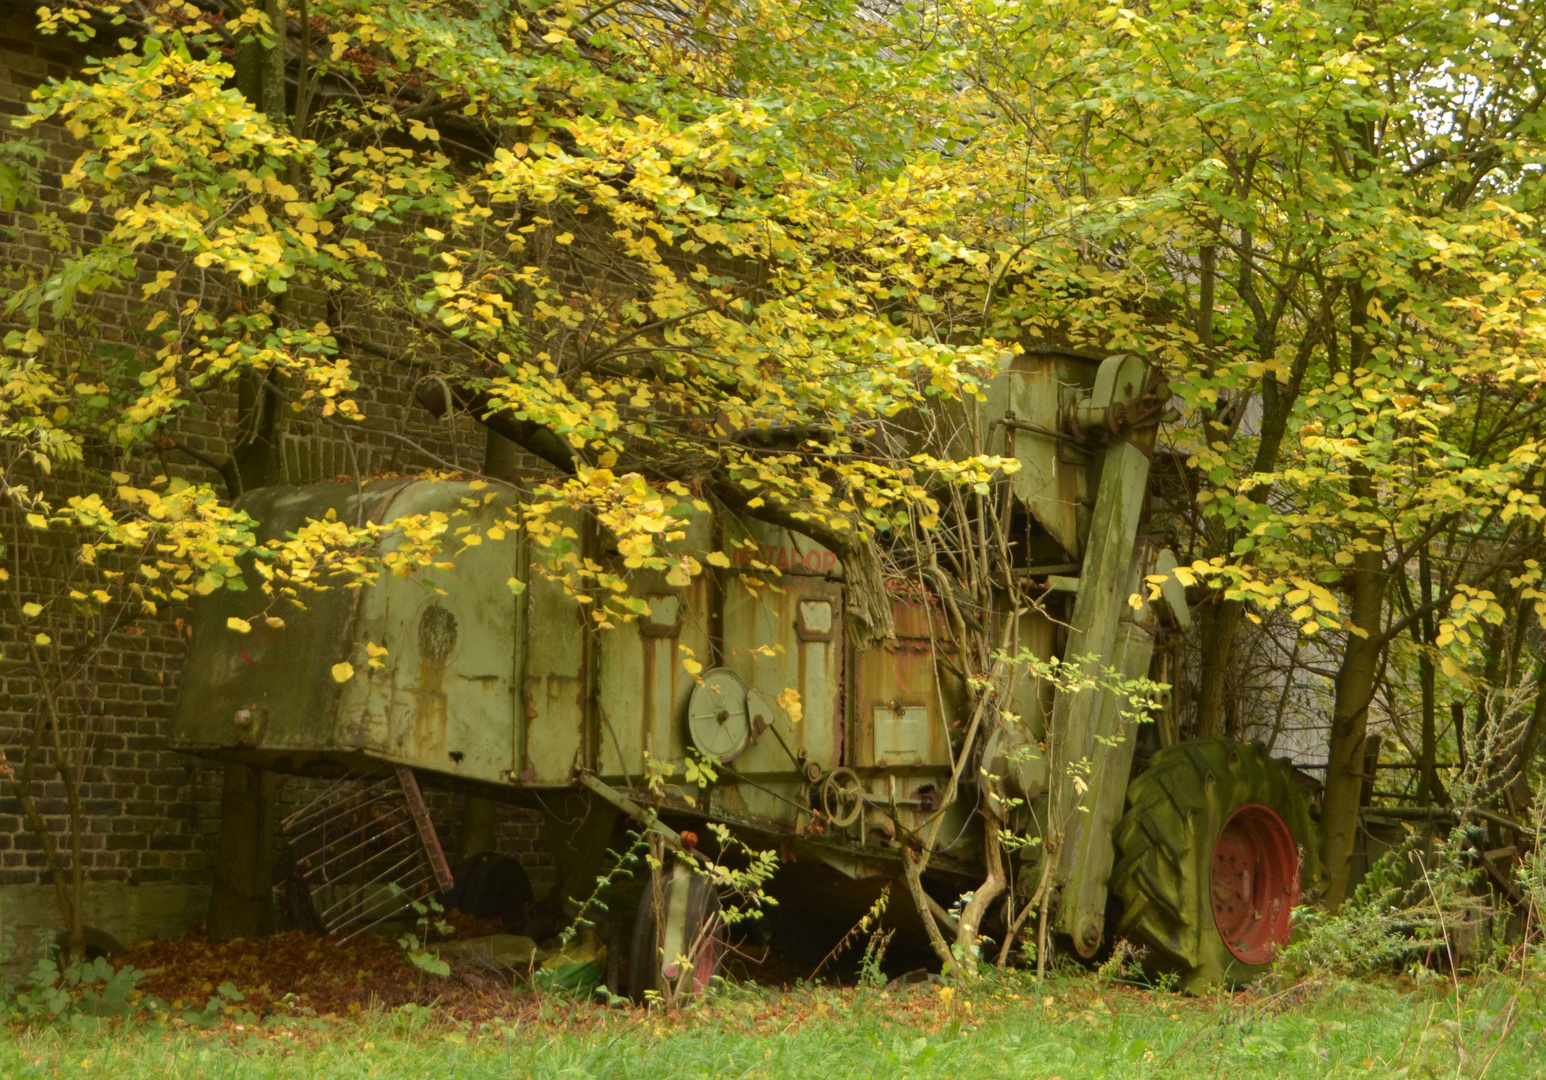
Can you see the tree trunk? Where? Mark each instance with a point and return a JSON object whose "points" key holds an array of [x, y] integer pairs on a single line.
{"points": [[1221, 618], [976, 909], [1428, 752], [1350, 715], [22, 784], [260, 76], [273, 101], [1220, 625], [1521, 795], [912, 877]]}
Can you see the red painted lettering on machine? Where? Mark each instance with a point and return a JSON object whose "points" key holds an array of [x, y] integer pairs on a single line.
{"points": [[786, 557]]}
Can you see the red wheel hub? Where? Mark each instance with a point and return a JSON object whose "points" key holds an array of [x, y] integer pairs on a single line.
{"points": [[708, 959], [1254, 882], [705, 964]]}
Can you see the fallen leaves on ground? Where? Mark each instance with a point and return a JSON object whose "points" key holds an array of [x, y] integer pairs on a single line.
{"points": [[303, 974]]}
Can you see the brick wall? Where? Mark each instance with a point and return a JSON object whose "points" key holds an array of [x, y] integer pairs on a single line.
{"points": [[152, 814]]}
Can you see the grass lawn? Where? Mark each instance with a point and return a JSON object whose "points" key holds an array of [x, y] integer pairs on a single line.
{"points": [[1070, 1027]]}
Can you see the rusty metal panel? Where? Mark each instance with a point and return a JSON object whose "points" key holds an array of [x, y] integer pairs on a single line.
{"points": [[1016, 752], [556, 653], [1053, 480], [1038, 635], [443, 698], [763, 644], [643, 688], [781, 638], [782, 632], [903, 706], [900, 733], [271, 686], [443, 695], [272, 689], [750, 543]]}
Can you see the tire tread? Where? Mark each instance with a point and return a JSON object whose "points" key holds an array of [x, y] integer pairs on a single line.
{"points": [[1164, 847]]}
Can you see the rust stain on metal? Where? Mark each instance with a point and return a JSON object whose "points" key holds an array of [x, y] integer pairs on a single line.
{"points": [[898, 719], [427, 835], [437, 634]]}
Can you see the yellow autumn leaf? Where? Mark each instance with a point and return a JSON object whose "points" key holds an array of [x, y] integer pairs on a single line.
{"points": [[241, 626], [32, 610], [691, 666], [789, 701], [717, 558], [43, 639]]}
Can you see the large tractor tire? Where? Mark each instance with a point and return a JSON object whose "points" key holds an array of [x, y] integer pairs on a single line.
{"points": [[1213, 854]]}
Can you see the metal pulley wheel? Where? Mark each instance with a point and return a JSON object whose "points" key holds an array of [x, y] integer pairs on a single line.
{"points": [[717, 716], [842, 797]]}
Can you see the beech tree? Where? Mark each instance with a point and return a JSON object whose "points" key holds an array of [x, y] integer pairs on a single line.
{"points": [[1324, 219]]}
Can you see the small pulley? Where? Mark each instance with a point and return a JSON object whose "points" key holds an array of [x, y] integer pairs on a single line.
{"points": [[717, 716]]}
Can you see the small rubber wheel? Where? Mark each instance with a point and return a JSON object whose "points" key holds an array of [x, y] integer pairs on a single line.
{"points": [[693, 931], [98, 944], [492, 886], [1214, 851], [300, 908]]}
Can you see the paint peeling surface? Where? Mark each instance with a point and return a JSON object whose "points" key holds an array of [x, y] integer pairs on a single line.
{"points": [[442, 698]]}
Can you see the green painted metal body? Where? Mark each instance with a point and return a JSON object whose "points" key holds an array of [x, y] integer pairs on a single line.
{"points": [[519, 694], [270, 695]]}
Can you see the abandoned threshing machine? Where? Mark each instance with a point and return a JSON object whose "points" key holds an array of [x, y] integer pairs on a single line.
{"points": [[1199, 856]]}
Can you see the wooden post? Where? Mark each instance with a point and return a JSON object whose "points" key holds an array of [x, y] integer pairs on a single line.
{"points": [[241, 904], [1371, 768], [480, 829]]}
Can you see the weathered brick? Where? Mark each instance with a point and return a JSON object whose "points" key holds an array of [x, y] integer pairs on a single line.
{"points": [[153, 815]]}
